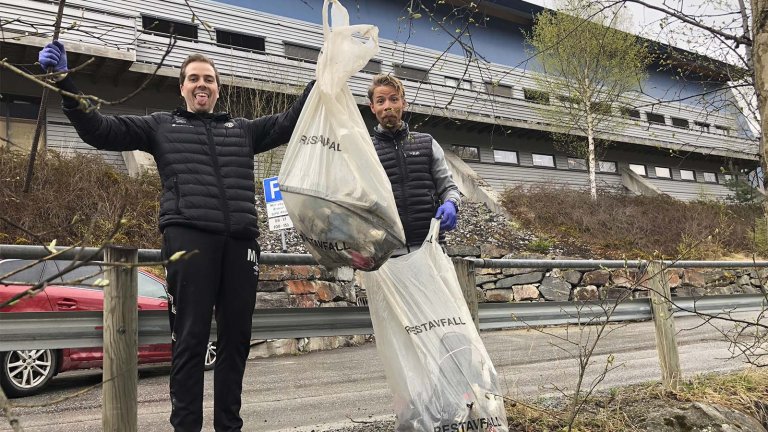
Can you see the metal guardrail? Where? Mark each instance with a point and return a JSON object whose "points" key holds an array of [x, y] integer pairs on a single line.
{"points": [[30, 330], [153, 255], [145, 255], [520, 315]]}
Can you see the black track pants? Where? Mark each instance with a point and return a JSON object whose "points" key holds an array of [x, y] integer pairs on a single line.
{"points": [[222, 273]]}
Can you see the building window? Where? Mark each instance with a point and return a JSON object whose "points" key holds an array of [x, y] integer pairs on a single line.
{"points": [[607, 167], [505, 156], [467, 152], [537, 96], [688, 175], [373, 66], [663, 172], [630, 113], [543, 160], [577, 164], [710, 177], [727, 178], [602, 108], [722, 130], [498, 89], [702, 126], [455, 82], [18, 120], [638, 169], [411, 73], [655, 118], [678, 122], [301, 51], [167, 27], [568, 100], [253, 43]]}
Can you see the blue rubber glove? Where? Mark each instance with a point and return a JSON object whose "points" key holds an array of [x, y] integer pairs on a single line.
{"points": [[447, 215], [53, 56]]}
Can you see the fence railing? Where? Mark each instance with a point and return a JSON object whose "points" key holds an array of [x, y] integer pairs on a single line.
{"points": [[56, 330], [35, 330]]}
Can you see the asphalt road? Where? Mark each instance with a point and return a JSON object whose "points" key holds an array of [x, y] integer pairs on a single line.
{"points": [[333, 390]]}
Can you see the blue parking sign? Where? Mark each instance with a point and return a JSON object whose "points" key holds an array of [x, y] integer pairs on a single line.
{"points": [[272, 190]]}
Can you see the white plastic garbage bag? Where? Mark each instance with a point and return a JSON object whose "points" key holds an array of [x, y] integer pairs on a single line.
{"points": [[436, 364], [333, 185]]}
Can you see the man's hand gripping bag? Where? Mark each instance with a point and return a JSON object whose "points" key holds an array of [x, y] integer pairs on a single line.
{"points": [[436, 365], [334, 187]]}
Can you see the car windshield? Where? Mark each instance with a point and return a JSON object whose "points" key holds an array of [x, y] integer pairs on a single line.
{"points": [[150, 287], [28, 276], [84, 276]]}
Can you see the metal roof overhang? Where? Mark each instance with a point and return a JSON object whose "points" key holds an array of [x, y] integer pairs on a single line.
{"points": [[103, 63]]}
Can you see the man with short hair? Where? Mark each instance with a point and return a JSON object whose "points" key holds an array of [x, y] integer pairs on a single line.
{"points": [[205, 162], [415, 164]]}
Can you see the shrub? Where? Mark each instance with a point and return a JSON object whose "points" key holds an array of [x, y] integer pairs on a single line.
{"points": [[76, 200], [618, 225]]}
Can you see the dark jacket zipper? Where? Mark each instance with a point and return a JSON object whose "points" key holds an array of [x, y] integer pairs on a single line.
{"points": [[219, 179], [177, 192], [400, 154]]}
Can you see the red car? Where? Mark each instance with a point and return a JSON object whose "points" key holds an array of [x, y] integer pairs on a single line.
{"points": [[26, 372]]}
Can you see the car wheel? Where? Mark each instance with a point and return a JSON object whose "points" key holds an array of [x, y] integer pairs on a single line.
{"points": [[210, 356], [26, 372]]}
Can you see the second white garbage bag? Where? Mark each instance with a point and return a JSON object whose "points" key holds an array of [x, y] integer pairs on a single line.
{"points": [[333, 185], [437, 368]]}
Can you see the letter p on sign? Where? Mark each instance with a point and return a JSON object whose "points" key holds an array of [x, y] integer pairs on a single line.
{"points": [[272, 190]]}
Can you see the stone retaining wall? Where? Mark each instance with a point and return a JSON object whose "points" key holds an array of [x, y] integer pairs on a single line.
{"points": [[314, 286], [306, 287], [553, 284]]}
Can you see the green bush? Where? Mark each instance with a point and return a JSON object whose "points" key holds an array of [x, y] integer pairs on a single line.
{"points": [[76, 200], [617, 225]]}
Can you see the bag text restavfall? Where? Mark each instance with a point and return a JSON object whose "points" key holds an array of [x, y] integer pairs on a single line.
{"points": [[322, 140], [432, 324]]}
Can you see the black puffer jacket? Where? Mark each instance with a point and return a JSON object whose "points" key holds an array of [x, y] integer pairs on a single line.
{"points": [[205, 161], [407, 160]]}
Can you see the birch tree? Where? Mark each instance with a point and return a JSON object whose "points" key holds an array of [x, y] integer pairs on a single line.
{"points": [[588, 67]]}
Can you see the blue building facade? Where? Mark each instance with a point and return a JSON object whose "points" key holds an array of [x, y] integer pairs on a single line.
{"points": [[470, 89]]}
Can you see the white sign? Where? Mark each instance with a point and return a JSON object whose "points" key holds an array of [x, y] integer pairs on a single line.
{"points": [[280, 223], [276, 213], [276, 208]]}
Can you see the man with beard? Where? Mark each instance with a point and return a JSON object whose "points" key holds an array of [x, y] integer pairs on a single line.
{"points": [[205, 163], [415, 164]]}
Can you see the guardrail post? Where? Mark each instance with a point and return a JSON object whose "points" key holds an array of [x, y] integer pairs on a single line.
{"points": [[465, 270], [119, 409], [661, 307]]}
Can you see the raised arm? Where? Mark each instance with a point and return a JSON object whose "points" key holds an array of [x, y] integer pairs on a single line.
{"points": [[119, 133], [274, 130]]}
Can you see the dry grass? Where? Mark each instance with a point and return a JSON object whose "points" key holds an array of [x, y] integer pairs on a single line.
{"points": [[621, 226], [622, 409], [76, 200]]}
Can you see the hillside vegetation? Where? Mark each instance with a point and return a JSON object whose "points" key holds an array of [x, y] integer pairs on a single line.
{"points": [[621, 226], [78, 199]]}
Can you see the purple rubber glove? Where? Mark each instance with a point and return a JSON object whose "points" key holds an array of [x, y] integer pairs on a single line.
{"points": [[53, 56], [447, 215]]}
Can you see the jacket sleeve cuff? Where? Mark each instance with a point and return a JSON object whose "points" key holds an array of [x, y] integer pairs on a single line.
{"points": [[68, 85], [455, 203]]}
